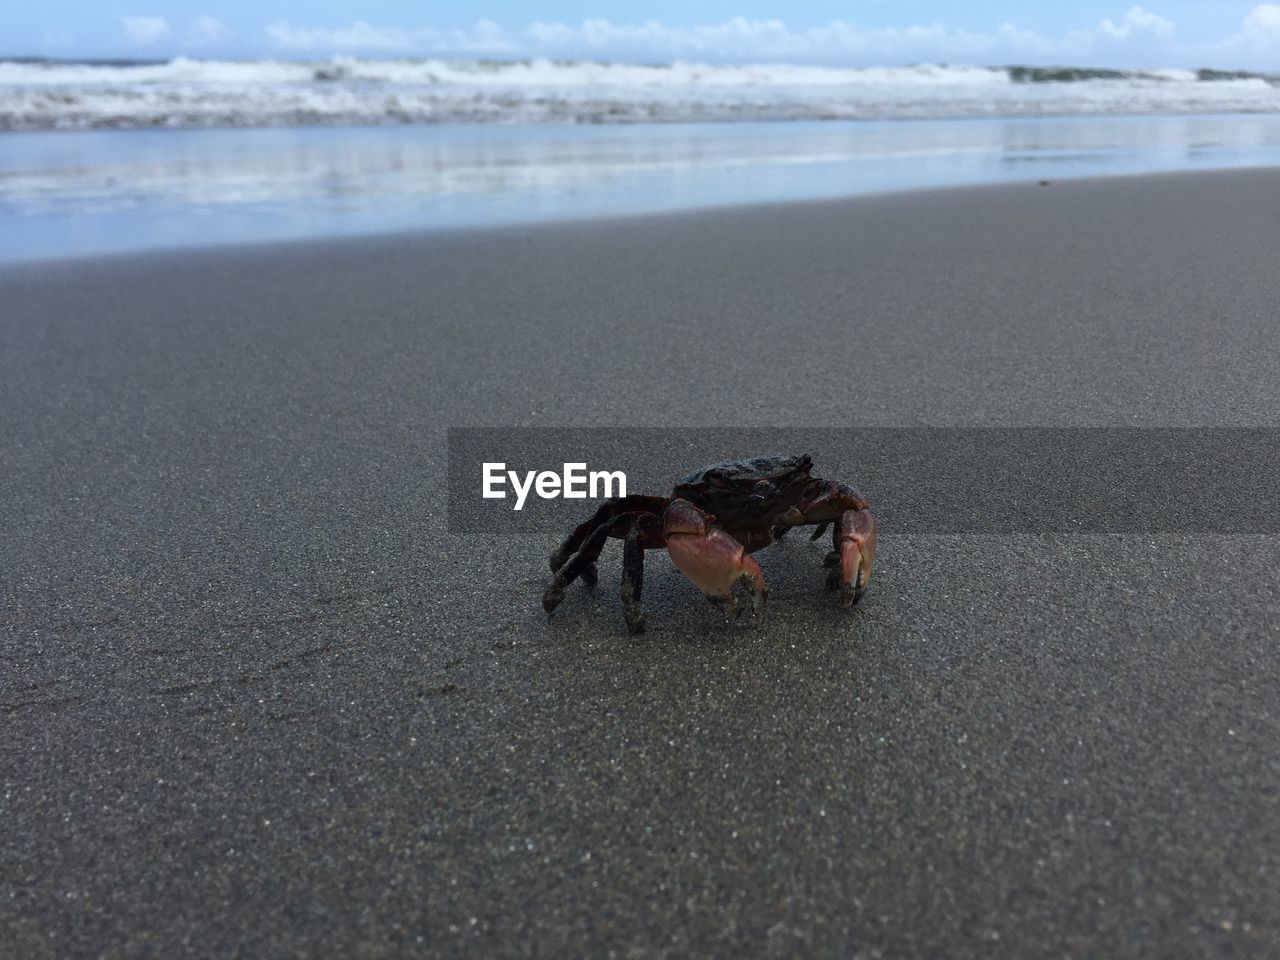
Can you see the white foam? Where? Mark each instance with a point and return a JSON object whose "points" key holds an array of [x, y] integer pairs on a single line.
{"points": [[185, 92]]}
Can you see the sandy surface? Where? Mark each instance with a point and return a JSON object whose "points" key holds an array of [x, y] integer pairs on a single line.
{"points": [[256, 700]]}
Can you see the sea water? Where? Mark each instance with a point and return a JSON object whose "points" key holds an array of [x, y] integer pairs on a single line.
{"points": [[113, 158], [42, 94]]}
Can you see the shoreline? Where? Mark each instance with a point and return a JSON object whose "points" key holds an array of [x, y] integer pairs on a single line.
{"points": [[420, 235], [112, 192]]}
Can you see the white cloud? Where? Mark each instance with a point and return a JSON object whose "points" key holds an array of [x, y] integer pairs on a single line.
{"points": [[736, 39], [485, 36], [207, 31], [1136, 21], [358, 36], [1264, 19], [1256, 44], [145, 30], [740, 37], [1139, 38]]}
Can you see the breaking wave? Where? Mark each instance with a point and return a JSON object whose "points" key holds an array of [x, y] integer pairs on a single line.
{"points": [[45, 94]]}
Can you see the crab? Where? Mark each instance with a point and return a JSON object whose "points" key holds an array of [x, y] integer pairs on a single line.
{"points": [[715, 518]]}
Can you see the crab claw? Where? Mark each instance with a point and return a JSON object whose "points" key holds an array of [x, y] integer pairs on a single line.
{"points": [[854, 539], [827, 500], [714, 561]]}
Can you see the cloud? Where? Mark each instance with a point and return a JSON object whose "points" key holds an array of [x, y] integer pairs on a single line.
{"points": [[485, 36], [145, 30], [1255, 44], [1136, 21], [1263, 20], [207, 32], [739, 38], [1139, 38], [358, 36]]}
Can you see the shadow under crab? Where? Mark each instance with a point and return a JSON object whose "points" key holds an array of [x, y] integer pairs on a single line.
{"points": [[715, 518]]}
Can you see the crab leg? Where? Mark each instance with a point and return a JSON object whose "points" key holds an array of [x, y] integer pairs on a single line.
{"points": [[714, 561], [633, 580], [576, 558], [605, 516], [781, 530], [581, 564]]}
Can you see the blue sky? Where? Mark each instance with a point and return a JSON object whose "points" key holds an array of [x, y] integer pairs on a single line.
{"points": [[1220, 33]]}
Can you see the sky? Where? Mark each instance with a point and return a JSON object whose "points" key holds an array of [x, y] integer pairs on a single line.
{"points": [[1177, 33]]}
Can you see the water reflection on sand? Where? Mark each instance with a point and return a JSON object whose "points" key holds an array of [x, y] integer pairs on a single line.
{"points": [[72, 193]]}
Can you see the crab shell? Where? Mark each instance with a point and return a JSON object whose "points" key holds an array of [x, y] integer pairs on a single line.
{"points": [[745, 494]]}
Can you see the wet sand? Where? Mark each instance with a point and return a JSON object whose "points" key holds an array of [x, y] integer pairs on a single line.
{"points": [[258, 700]]}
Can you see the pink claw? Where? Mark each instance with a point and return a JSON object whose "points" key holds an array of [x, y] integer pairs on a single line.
{"points": [[856, 537], [714, 561]]}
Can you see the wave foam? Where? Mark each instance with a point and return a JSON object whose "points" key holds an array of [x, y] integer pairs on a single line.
{"points": [[184, 92]]}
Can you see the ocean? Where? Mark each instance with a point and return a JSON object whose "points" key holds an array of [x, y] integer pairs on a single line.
{"points": [[110, 157], [60, 95]]}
